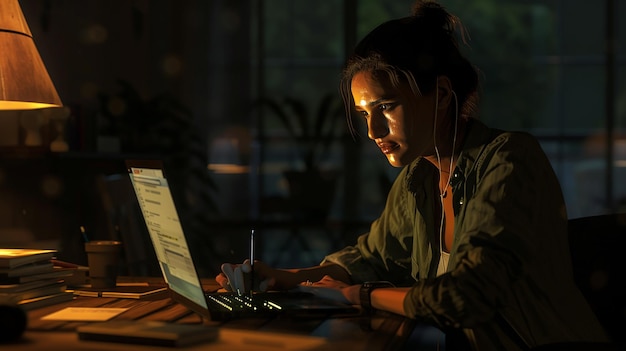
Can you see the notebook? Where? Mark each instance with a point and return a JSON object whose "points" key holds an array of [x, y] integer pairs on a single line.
{"points": [[177, 264]]}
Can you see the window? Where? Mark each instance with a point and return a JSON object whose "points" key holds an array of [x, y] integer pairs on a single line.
{"points": [[544, 67]]}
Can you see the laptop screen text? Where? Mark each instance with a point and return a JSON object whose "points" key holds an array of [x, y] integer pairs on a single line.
{"points": [[166, 233]]}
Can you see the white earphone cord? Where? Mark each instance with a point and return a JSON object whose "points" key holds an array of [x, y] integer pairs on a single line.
{"points": [[445, 189]]}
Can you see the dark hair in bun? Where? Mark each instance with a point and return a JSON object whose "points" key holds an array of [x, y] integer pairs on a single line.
{"points": [[417, 49]]}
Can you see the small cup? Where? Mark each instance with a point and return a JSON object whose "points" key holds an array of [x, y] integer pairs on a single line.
{"points": [[103, 258]]}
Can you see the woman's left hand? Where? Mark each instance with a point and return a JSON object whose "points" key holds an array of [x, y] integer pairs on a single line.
{"points": [[350, 292]]}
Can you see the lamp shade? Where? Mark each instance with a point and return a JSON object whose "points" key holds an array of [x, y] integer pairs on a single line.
{"points": [[24, 80]]}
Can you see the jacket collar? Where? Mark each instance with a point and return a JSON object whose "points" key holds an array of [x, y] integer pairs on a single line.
{"points": [[477, 135]]}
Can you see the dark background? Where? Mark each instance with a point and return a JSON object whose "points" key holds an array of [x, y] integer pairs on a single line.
{"points": [[178, 80]]}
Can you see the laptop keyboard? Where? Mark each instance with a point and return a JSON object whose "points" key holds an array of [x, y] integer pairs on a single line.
{"points": [[235, 302]]}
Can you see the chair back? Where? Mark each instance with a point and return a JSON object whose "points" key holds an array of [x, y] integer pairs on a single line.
{"points": [[597, 246]]}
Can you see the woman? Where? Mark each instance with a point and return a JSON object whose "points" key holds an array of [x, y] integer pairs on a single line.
{"points": [[473, 234]]}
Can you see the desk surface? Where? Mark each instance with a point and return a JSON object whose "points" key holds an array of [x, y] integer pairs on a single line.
{"points": [[382, 331]]}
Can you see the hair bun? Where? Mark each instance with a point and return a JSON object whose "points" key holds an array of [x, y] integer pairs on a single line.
{"points": [[433, 15]]}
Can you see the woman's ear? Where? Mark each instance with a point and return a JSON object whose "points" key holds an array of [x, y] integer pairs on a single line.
{"points": [[444, 92]]}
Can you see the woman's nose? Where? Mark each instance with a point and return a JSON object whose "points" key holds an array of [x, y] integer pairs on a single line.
{"points": [[377, 126]]}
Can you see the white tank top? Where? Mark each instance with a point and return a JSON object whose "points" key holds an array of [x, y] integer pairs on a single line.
{"points": [[443, 263]]}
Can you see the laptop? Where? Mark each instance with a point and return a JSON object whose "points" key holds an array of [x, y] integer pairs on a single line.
{"points": [[153, 193]]}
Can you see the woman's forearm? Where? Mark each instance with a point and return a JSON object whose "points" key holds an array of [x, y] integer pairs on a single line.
{"points": [[389, 299], [316, 273]]}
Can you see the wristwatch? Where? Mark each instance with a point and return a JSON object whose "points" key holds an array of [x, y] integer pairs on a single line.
{"points": [[366, 291]]}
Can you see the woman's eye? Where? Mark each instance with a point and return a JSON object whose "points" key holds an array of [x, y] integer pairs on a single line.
{"points": [[383, 107], [363, 114]]}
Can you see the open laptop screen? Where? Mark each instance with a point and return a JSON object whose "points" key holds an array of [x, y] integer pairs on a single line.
{"points": [[177, 265], [166, 232]]}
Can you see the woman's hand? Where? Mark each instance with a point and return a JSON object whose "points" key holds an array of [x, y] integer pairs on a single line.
{"points": [[232, 276], [259, 277], [349, 292]]}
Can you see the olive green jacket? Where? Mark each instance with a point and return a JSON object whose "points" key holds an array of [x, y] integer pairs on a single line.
{"points": [[509, 282]]}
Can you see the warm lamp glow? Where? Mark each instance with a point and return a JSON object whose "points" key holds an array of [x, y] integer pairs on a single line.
{"points": [[24, 80]]}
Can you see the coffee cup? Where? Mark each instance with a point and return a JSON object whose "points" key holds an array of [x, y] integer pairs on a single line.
{"points": [[103, 258]]}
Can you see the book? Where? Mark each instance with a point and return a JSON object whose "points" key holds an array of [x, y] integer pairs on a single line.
{"points": [[57, 272], [148, 333], [15, 288], [125, 292], [27, 269], [43, 301], [87, 292], [136, 292], [49, 289], [11, 258]]}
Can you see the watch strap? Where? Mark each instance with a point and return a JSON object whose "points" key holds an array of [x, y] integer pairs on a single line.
{"points": [[365, 292]]}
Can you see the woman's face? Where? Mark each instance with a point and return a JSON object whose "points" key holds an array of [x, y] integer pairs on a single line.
{"points": [[398, 120]]}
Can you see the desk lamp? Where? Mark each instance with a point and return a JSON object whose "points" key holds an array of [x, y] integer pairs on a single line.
{"points": [[24, 85], [24, 80]]}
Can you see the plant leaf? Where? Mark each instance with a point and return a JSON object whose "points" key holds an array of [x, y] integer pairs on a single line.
{"points": [[301, 115], [280, 113]]}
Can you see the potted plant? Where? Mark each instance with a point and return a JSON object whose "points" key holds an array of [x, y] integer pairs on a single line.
{"points": [[162, 127], [311, 187]]}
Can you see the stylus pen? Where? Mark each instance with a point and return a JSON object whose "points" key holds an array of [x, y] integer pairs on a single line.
{"points": [[251, 261]]}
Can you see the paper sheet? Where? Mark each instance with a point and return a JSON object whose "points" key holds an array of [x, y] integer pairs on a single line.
{"points": [[84, 314]]}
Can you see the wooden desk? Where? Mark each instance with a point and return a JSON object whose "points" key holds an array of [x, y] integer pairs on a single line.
{"points": [[383, 331]]}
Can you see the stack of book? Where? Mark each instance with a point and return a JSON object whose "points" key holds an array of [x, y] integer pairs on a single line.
{"points": [[29, 279]]}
